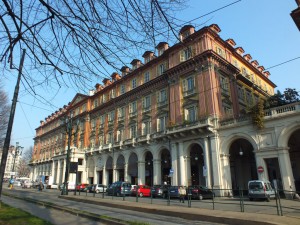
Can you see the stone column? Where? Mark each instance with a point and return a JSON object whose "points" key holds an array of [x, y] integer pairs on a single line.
{"points": [[182, 167], [207, 163], [141, 172], [174, 157], [156, 172], [215, 161], [104, 178], [126, 176], [287, 176]]}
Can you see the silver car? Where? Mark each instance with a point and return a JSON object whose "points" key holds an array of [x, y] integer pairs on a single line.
{"points": [[99, 188], [258, 189]]}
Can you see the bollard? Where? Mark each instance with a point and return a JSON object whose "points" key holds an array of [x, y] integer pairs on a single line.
{"points": [[94, 190], [136, 198], [86, 192], [123, 193], [151, 195], [189, 200], [279, 202], [103, 193], [213, 197], [168, 202]]}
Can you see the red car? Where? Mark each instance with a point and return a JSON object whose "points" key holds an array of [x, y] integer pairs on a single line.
{"points": [[81, 187], [142, 190]]}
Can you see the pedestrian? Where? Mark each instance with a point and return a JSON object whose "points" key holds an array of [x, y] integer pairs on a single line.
{"points": [[11, 183], [41, 186], [182, 194]]}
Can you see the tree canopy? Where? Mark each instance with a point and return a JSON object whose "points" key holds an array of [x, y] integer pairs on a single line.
{"points": [[73, 42]]}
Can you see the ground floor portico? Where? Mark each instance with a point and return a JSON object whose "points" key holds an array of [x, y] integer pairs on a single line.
{"points": [[223, 157]]}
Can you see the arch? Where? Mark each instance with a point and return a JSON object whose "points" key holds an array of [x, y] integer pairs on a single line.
{"points": [[232, 138], [133, 168], [286, 133]]}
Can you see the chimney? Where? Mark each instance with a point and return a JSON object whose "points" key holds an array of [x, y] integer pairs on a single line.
{"points": [[240, 50], [186, 31], [125, 70], [254, 63], [162, 47], [247, 57], [136, 63], [231, 42], [215, 28], [98, 87], [115, 76], [106, 82], [261, 68], [266, 73], [148, 55]]}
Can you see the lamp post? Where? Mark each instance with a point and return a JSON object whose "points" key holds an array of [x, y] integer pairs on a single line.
{"points": [[68, 121], [18, 152]]}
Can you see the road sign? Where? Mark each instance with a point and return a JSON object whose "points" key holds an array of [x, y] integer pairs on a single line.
{"points": [[260, 169]]}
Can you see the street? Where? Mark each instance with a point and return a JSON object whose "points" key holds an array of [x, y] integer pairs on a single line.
{"points": [[60, 217]]}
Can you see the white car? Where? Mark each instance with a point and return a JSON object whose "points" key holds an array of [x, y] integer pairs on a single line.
{"points": [[99, 188]]}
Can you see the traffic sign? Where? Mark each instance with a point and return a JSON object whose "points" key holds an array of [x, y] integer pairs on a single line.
{"points": [[260, 169]]}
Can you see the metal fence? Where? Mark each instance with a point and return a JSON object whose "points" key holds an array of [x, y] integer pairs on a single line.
{"points": [[285, 202]]}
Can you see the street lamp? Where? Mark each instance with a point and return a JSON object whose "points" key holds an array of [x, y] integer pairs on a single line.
{"points": [[18, 152], [68, 122]]}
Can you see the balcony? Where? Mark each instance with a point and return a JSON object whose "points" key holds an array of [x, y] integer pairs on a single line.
{"points": [[281, 111], [147, 109], [189, 92], [162, 103], [133, 114]]}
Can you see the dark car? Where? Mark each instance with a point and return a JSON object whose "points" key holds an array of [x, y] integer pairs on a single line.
{"points": [[160, 191], [119, 188], [89, 188], [200, 192], [174, 191]]}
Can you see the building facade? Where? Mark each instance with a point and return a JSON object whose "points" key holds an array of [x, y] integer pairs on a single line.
{"points": [[180, 117], [12, 162]]}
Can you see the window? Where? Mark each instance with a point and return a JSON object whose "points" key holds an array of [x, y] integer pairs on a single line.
{"points": [[161, 124], [186, 54], [147, 59], [101, 140], [191, 114], [95, 103], [102, 120], [133, 131], [112, 93], [146, 127], [121, 113], [122, 89], [227, 110], [104, 98], [235, 63], [188, 86], [146, 77], [224, 84], [160, 51], [133, 108], [93, 124], [120, 135], [83, 107], [220, 52], [133, 83], [244, 71], [146, 103], [161, 69], [111, 116], [162, 97], [249, 98], [110, 138], [80, 162], [241, 93]]}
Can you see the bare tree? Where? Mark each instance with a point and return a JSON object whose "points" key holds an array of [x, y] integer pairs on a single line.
{"points": [[23, 166], [72, 42], [4, 114]]}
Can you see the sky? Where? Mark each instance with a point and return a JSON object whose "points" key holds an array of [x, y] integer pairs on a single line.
{"points": [[263, 28]]}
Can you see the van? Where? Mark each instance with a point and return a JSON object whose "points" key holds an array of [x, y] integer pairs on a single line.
{"points": [[119, 188], [259, 189]]}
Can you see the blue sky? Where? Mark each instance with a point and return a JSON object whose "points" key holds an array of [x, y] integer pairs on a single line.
{"points": [[264, 28]]}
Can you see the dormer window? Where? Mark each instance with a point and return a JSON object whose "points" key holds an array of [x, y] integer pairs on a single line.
{"points": [[160, 51], [146, 76], [133, 83], [186, 54]]}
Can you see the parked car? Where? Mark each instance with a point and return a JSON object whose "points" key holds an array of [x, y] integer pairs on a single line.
{"points": [[258, 189], [160, 191], [173, 191], [81, 187], [26, 184], [200, 192], [141, 190], [99, 188], [89, 188], [119, 188], [71, 186]]}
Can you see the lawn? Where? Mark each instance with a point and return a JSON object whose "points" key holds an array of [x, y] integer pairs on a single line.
{"points": [[14, 216]]}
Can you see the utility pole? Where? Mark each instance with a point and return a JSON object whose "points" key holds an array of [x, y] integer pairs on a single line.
{"points": [[10, 124]]}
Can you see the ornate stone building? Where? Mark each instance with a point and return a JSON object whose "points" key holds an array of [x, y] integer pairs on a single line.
{"points": [[177, 117]]}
